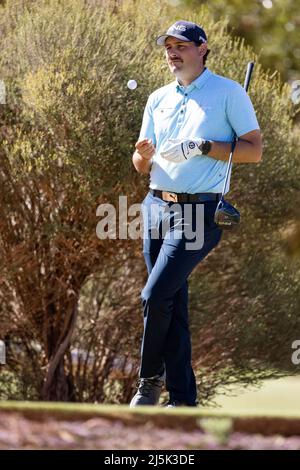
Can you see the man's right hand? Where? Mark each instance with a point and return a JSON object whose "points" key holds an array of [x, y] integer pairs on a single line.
{"points": [[145, 148]]}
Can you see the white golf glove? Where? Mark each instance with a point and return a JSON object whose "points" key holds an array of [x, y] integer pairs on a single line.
{"points": [[182, 150]]}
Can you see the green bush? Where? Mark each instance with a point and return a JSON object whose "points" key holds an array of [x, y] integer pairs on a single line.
{"points": [[67, 135]]}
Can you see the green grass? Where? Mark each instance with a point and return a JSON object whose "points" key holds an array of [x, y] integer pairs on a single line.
{"points": [[276, 398], [83, 409], [272, 409], [274, 395]]}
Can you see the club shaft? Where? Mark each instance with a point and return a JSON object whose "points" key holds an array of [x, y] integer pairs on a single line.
{"points": [[249, 71], [250, 68]]}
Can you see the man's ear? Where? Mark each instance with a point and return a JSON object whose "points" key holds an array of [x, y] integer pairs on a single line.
{"points": [[202, 49]]}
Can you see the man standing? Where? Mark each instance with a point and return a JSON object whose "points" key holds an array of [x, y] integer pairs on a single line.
{"points": [[184, 143]]}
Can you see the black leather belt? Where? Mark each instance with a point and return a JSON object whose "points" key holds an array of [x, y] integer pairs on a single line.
{"points": [[185, 197]]}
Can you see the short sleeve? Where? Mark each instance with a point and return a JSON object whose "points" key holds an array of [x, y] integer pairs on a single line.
{"points": [[147, 129], [240, 111]]}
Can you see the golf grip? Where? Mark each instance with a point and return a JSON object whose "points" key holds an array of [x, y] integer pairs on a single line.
{"points": [[250, 68]]}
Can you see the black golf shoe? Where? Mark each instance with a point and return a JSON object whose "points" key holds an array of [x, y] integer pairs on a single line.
{"points": [[149, 391]]}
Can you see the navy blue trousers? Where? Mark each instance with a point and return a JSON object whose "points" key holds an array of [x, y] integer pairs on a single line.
{"points": [[166, 345]]}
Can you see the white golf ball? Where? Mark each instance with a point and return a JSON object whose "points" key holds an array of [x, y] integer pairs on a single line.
{"points": [[132, 84]]}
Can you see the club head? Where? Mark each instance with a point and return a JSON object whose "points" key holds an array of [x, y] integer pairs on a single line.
{"points": [[226, 216]]}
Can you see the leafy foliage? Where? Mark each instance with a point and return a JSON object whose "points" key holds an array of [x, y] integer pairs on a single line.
{"points": [[67, 134], [270, 27]]}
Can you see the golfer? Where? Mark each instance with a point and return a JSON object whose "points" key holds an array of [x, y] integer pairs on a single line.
{"points": [[184, 143]]}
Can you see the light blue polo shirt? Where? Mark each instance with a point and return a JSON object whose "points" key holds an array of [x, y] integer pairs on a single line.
{"points": [[211, 107]]}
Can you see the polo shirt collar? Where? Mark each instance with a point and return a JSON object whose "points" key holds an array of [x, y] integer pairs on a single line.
{"points": [[197, 83]]}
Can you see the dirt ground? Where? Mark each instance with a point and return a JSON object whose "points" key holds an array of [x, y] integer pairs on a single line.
{"points": [[17, 432]]}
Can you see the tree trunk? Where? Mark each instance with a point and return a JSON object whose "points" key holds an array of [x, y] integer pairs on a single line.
{"points": [[57, 386]]}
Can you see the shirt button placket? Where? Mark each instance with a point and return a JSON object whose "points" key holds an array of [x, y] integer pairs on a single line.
{"points": [[181, 113]]}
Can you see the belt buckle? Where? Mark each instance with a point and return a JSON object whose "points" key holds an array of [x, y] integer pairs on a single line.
{"points": [[170, 197]]}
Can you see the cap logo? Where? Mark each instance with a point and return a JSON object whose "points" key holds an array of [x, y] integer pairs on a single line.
{"points": [[179, 27]]}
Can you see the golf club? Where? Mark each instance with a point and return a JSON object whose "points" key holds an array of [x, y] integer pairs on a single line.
{"points": [[227, 216]]}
